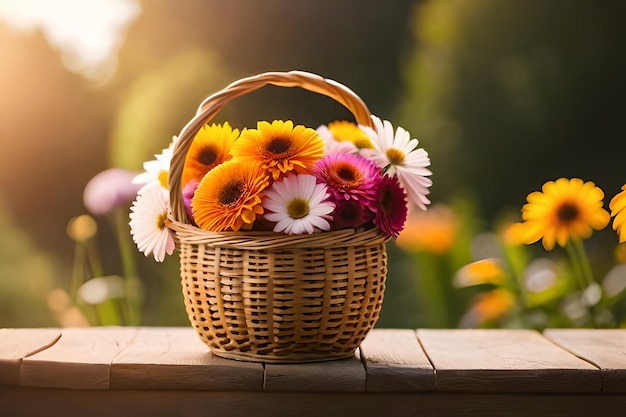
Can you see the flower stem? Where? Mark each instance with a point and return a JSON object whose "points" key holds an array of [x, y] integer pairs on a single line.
{"points": [[78, 271], [132, 306], [576, 264], [515, 259], [433, 291], [582, 270], [93, 256], [108, 313], [584, 262]]}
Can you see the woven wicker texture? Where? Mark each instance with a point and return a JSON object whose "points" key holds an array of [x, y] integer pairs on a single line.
{"points": [[271, 297]]}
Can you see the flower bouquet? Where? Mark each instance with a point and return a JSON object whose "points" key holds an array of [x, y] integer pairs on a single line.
{"points": [[281, 228]]}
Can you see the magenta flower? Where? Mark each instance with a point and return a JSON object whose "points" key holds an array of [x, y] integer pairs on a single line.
{"points": [[350, 214], [188, 193], [392, 208], [349, 176], [110, 189]]}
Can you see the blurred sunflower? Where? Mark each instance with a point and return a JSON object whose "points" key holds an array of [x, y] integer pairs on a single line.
{"points": [[484, 271], [432, 231], [488, 307]]}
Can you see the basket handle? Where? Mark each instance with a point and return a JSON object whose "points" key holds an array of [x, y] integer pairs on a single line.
{"points": [[213, 104]]}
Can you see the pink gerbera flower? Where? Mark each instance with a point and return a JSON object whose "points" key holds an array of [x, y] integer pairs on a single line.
{"points": [[188, 192], [392, 208], [349, 176]]}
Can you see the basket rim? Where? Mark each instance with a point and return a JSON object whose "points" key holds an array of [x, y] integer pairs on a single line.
{"points": [[270, 240]]}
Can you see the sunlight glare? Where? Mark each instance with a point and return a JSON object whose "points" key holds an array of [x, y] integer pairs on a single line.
{"points": [[88, 33]]}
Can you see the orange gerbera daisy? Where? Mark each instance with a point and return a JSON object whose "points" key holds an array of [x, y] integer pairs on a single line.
{"points": [[229, 196], [280, 147], [210, 147]]}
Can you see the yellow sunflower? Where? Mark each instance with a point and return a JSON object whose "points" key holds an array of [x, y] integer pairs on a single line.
{"points": [[618, 210], [344, 130], [280, 147], [229, 196], [210, 147], [565, 209]]}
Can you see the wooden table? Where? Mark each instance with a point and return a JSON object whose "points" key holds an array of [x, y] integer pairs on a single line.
{"points": [[169, 372]]}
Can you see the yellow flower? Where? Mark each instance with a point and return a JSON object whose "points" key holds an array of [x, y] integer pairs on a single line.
{"points": [[618, 210], [565, 209], [484, 271], [343, 130], [280, 147], [620, 253], [492, 305], [229, 196], [210, 147], [82, 228], [515, 234], [431, 231]]}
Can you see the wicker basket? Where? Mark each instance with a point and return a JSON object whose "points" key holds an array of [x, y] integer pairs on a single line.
{"points": [[271, 297]]}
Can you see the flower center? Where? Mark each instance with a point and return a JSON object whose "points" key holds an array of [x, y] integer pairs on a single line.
{"points": [[231, 192], [395, 156], [363, 143], [567, 212], [163, 178], [160, 220], [298, 208], [207, 156], [345, 175], [278, 146]]}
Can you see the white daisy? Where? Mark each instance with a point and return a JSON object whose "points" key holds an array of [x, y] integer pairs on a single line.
{"points": [[399, 155], [298, 204], [158, 168], [147, 221], [332, 145]]}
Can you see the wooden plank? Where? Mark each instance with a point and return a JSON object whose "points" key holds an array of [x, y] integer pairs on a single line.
{"points": [[395, 361], [605, 348], [81, 359], [17, 344], [176, 358], [343, 375], [505, 361], [19, 401]]}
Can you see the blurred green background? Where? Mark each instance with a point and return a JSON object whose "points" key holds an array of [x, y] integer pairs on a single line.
{"points": [[503, 95]]}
